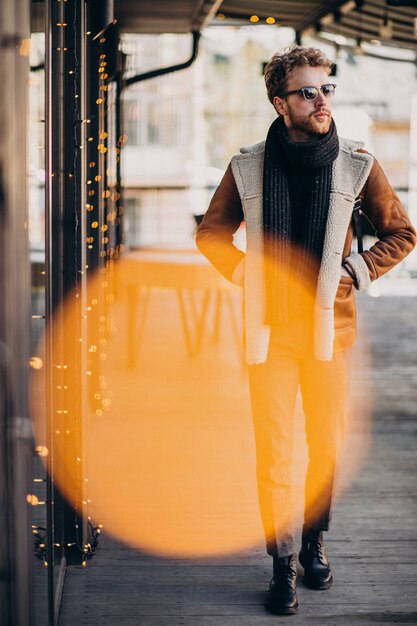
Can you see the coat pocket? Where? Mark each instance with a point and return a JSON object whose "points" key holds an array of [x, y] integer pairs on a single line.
{"points": [[344, 305]]}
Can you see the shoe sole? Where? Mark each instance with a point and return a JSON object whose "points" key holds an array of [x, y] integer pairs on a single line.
{"points": [[284, 611], [318, 587], [313, 585]]}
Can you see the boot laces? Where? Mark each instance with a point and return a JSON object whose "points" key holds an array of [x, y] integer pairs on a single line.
{"points": [[284, 574], [317, 548]]}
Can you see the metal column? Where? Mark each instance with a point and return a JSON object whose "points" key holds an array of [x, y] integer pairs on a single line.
{"points": [[15, 432]]}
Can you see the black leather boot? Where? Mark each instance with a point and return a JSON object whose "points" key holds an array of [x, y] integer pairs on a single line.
{"points": [[313, 557], [282, 598]]}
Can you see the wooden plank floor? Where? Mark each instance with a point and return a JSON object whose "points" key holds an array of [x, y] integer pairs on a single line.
{"points": [[372, 544]]}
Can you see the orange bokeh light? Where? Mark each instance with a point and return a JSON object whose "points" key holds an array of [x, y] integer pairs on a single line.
{"points": [[168, 453]]}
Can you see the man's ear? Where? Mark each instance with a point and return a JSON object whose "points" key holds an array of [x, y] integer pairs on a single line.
{"points": [[280, 105]]}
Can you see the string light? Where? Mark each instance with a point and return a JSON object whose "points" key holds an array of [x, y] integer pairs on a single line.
{"points": [[41, 451], [40, 544], [36, 363], [102, 216], [62, 370]]}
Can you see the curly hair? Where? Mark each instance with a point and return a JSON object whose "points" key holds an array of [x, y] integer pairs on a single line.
{"points": [[282, 63]]}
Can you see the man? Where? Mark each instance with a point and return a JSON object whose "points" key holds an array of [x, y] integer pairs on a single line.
{"points": [[296, 193]]}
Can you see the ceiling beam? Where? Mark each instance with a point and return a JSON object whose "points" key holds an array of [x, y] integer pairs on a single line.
{"points": [[206, 10]]}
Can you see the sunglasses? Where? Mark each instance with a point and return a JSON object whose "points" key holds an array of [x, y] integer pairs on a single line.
{"points": [[311, 93]]}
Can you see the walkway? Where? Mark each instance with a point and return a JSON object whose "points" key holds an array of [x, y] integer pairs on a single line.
{"points": [[372, 546]]}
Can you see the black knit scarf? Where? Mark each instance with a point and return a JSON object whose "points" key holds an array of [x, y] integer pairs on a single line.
{"points": [[316, 157]]}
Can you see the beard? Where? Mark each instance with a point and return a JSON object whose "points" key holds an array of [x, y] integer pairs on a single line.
{"points": [[309, 124]]}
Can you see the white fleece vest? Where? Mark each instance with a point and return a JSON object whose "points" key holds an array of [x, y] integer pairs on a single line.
{"points": [[350, 171]]}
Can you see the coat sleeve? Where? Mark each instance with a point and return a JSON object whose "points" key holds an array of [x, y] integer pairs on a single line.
{"points": [[396, 236], [215, 234]]}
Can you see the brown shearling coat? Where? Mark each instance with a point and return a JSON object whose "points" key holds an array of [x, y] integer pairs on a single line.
{"points": [[381, 206]]}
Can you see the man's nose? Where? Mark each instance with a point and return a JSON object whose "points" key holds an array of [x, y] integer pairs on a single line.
{"points": [[321, 99]]}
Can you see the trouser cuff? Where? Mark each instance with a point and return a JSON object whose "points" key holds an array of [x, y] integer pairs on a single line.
{"points": [[283, 546]]}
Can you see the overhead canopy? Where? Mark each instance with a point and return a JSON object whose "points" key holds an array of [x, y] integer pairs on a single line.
{"points": [[359, 19], [366, 20], [164, 16]]}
